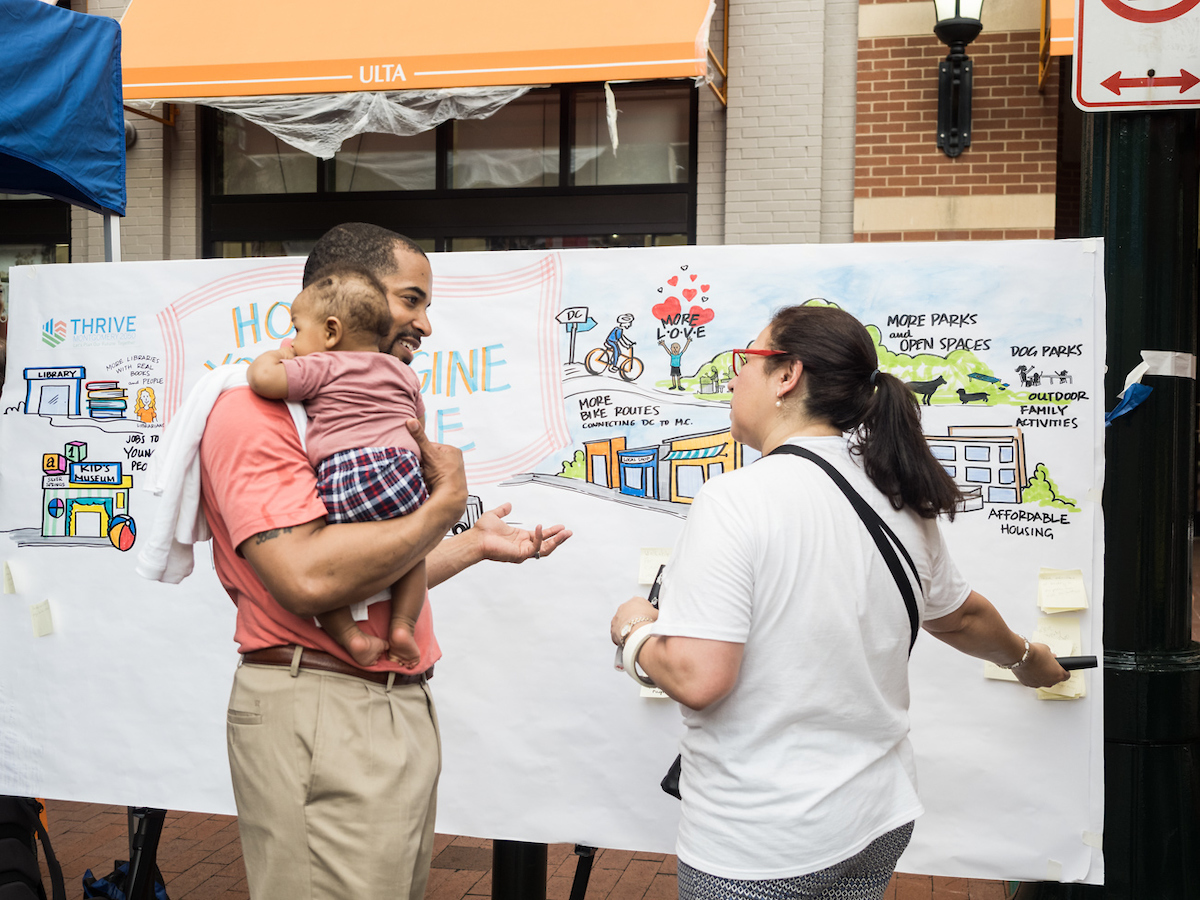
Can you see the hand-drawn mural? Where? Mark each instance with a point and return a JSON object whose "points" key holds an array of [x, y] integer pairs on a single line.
{"points": [[590, 387]]}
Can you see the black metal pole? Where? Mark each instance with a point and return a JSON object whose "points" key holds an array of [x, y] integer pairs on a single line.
{"points": [[518, 870], [583, 871], [1141, 190]]}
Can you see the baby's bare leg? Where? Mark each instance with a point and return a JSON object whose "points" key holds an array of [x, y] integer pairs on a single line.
{"points": [[340, 625], [408, 596]]}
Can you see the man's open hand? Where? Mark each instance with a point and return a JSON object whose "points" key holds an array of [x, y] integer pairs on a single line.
{"points": [[501, 542]]}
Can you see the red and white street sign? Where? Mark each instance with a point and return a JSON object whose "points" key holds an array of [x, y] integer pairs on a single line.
{"points": [[1137, 54]]}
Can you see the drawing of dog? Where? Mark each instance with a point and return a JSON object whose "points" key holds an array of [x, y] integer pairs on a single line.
{"points": [[981, 396], [926, 388]]}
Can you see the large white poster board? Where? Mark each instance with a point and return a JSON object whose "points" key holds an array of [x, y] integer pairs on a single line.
{"points": [[123, 702]]}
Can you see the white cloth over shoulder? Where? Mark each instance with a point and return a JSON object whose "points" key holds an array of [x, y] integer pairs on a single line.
{"points": [[174, 475], [807, 760]]}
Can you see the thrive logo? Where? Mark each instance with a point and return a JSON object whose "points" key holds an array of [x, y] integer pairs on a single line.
{"points": [[54, 333]]}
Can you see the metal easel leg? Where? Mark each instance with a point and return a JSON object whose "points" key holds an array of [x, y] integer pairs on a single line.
{"points": [[145, 829]]}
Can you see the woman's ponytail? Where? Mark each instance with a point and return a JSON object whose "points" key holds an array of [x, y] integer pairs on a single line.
{"points": [[844, 388], [896, 456]]}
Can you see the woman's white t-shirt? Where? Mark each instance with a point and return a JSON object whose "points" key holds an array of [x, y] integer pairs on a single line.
{"points": [[807, 760]]}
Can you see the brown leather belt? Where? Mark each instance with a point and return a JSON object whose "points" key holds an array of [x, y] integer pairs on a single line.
{"points": [[320, 661]]}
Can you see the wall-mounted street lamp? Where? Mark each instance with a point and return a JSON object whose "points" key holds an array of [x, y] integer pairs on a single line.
{"points": [[958, 24]]}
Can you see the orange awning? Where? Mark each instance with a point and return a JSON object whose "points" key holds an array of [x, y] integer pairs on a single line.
{"points": [[1062, 27], [239, 48]]}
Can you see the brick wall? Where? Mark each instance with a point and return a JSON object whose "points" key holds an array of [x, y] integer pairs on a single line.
{"points": [[1008, 172], [162, 213]]}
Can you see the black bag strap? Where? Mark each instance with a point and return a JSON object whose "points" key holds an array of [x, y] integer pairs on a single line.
{"points": [[57, 887], [879, 530]]}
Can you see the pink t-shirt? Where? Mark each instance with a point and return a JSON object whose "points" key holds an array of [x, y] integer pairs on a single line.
{"points": [[354, 400], [254, 478]]}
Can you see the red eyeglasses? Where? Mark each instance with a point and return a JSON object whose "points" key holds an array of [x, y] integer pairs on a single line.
{"points": [[741, 357]]}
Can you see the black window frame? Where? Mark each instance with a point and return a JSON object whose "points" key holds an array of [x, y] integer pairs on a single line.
{"points": [[445, 213], [35, 222]]}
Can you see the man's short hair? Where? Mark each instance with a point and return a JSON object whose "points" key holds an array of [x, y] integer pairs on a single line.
{"points": [[354, 296], [358, 244]]}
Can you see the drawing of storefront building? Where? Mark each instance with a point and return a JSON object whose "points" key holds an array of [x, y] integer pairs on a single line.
{"points": [[83, 501], [602, 462], [988, 460], [690, 461], [639, 472]]}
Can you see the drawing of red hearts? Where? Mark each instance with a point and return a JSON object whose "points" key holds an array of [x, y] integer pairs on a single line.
{"points": [[689, 293], [704, 288], [693, 277], [666, 309], [673, 280], [702, 314]]}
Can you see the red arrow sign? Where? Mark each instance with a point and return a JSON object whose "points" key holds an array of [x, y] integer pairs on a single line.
{"points": [[1186, 82]]}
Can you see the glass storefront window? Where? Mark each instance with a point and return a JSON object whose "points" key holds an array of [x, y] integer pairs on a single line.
{"points": [[254, 161], [248, 249], [515, 147], [25, 255], [462, 244], [652, 131], [258, 249], [461, 183], [386, 162]]}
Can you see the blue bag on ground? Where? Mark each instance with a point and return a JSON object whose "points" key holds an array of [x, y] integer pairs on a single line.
{"points": [[112, 885]]}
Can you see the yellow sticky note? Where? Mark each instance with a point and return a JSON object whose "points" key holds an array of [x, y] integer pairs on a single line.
{"points": [[652, 558], [42, 623], [1062, 635], [1061, 590], [9, 587]]}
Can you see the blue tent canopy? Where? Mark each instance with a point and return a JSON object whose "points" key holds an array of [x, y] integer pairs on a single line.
{"points": [[62, 130]]}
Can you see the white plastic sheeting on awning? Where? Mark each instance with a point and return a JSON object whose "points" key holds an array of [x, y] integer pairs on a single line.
{"points": [[318, 123]]}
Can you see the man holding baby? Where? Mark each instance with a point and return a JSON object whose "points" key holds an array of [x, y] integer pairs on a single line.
{"points": [[335, 766]]}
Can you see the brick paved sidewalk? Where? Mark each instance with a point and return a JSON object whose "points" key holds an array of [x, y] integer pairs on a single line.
{"points": [[201, 859]]}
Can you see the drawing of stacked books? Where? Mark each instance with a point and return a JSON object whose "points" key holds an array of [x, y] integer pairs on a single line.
{"points": [[106, 400]]}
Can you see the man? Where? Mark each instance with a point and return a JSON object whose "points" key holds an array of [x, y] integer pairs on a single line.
{"points": [[335, 767]]}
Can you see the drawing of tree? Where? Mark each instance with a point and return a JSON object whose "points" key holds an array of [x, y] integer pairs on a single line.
{"points": [[576, 467], [1043, 491]]}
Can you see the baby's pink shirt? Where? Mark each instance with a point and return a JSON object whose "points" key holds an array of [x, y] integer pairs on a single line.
{"points": [[354, 400]]}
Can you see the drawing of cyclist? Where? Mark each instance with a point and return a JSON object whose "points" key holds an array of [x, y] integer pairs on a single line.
{"points": [[616, 340]]}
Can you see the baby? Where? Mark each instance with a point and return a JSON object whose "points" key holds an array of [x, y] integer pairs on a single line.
{"points": [[358, 401]]}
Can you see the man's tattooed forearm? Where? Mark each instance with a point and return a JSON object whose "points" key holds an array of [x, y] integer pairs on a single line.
{"points": [[263, 536]]}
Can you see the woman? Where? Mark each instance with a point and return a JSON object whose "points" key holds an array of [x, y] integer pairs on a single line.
{"points": [[783, 632]]}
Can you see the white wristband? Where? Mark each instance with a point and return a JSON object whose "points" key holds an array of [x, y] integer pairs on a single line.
{"points": [[629, 655]]}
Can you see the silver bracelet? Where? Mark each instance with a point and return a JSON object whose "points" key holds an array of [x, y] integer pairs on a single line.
{"points": [[627, 628], [1024, 656]]}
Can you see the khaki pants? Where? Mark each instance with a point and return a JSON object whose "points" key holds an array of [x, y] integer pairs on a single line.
{"points": [[336, 784]]}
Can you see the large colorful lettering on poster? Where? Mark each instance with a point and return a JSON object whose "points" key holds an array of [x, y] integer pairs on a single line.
{"points": [[585, 387]]}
